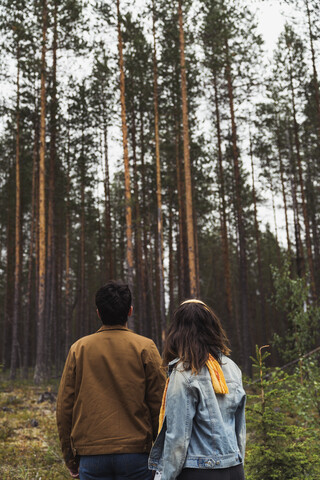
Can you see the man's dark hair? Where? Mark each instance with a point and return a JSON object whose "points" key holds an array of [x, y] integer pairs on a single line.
{"points": [[113, 302]]}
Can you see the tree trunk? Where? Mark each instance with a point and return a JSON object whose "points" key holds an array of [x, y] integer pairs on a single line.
{"points": [[138, 242], [26, 340], [10, 268], [17, 271], [171, 260], [315, 73], [297, 229], [82, 306], [275, 220], [147, 292], [158, 175], [109, 253], [264, 320], [50, 306], [223, 216], [186, 156], [301, 184], [183, 269], [68, 283], [126, 163], [40, 368], [284, 198], [243, 287]]}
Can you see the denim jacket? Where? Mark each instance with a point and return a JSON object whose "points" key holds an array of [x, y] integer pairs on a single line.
{"points": [[201, 429]]}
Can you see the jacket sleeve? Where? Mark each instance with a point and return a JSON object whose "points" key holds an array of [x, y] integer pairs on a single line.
{"points": [[240, 425], [181, 405], [155, 382], [65, 402]]}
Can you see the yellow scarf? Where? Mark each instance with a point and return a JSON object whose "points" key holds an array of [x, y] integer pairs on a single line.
{"points": [[217, 379]]}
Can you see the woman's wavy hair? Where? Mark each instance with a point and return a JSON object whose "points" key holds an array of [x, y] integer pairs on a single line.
{"points": [[195, 332]]}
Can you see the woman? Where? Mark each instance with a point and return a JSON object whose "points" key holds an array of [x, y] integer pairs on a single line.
{"points": [[202, 419]]}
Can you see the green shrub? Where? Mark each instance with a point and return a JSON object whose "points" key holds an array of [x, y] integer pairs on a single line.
{"points": [[283, 424]]}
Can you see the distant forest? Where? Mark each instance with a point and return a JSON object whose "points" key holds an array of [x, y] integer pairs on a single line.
{"points": [[209, 132]]}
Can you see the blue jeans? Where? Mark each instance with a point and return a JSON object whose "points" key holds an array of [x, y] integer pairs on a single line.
{"points": [[121, 466]]}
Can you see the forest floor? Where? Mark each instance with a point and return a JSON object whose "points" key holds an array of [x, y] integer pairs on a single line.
{"points": [[29, 443]]}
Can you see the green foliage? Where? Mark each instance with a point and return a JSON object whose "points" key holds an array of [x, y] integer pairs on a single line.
{"points": [[283, 423], [292, 299]]}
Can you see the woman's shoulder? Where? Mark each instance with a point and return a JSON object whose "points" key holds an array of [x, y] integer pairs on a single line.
{"points": [[230, 369]]}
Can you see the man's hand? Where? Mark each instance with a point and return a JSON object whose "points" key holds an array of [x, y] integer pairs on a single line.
{"points": [[74, 473]]}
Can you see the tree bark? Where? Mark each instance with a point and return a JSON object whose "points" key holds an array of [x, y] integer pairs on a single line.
{"points": [[243, 287], [26, 339], [138, 241], [301, 183], [223, 216], [186, 156], [40, 368], [68, 283], [264, 320], [17, 271], [300, 263], [109, 253], [284, 197], [126, 163], [171, 257], [50, 306], [82, 313], [158, 181], [150, 326], [315, 73]]}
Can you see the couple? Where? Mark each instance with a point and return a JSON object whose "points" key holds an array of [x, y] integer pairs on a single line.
{"points": [[113, 399]]}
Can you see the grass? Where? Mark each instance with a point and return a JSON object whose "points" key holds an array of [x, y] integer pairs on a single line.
{"points": [[28, 452]]}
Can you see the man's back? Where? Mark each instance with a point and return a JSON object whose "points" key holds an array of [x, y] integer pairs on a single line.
{"points": [[110, 395], [114, 383]]}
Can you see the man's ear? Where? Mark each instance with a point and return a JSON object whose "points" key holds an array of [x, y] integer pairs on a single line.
{"points": [[130, 311], [98, 313]]}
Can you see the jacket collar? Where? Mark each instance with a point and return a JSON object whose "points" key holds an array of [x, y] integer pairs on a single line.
{"points": [[172, 364], [103, 328]]}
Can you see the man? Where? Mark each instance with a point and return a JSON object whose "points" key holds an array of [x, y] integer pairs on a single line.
{"points": [[110, 396]]}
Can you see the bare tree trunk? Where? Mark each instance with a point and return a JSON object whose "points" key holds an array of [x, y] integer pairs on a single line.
{"points": [[26, 339], [147, 293], [284, 199], [158, 173], [183, 269], [10, 268], [50, 306], [264, 319], [243, 287], [315, 73], [126, 163], [186, 156], [40, 368], [275, 220], [68, 283], [138, 243], [297, 229], [17, 271], [301, 184], [82, 312], [109, 252], [223, 214], [171, 260]]}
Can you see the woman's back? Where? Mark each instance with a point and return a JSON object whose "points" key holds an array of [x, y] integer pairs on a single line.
{"points": [[202, 415], [201, 429]]}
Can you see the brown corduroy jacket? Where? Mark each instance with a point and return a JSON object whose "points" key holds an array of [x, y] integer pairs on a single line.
{"points": [[110, 394]]}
